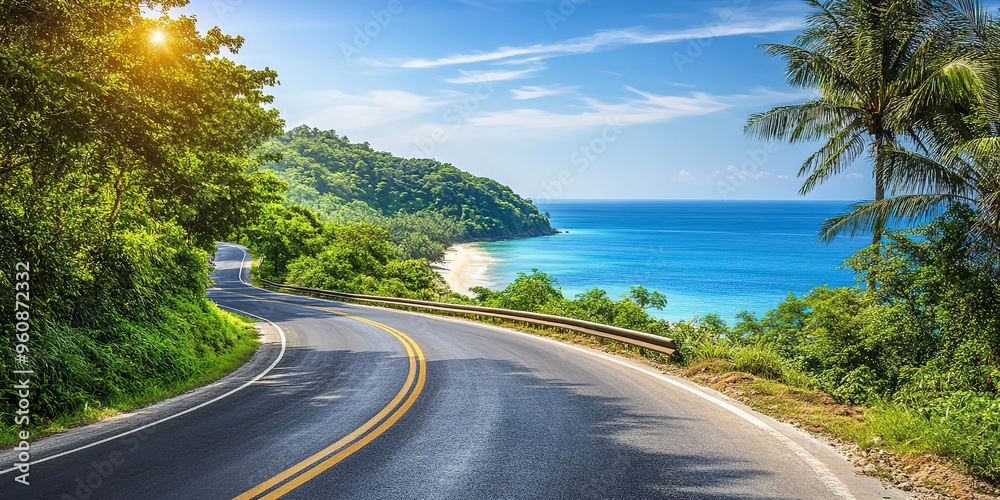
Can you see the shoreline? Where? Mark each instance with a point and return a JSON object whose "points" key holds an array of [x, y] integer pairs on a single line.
{"points": [[464, 266]]}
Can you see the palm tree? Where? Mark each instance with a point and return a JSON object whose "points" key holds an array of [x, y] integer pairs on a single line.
{"points": [[873, 63], [962, 119]]}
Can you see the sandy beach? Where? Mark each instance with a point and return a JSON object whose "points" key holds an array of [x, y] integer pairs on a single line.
{"points": [[464, 266]]}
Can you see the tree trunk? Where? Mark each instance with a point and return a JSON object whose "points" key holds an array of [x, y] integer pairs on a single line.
{"points": [[878, 151], [879, 195]]}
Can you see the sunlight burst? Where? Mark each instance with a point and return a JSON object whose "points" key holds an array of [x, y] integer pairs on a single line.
{"points": [[157, 37]]}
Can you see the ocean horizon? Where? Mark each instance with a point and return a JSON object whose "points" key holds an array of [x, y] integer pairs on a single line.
{"points": [[706, 256]]}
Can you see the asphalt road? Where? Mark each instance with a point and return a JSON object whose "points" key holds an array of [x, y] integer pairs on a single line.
{"points": [[348, 401]]}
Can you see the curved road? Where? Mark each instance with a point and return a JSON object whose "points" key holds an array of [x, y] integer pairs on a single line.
{"points": [[348, 401]]}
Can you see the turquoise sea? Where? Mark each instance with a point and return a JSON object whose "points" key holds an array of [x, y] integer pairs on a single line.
{"points": [[705, 256]]}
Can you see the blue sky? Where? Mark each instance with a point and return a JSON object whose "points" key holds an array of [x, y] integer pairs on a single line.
{"points": [[556, 98]]}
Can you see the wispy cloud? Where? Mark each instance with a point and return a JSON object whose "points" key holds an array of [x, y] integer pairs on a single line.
{"points": [[643, 109], [735, 175], [519, 62], [381, 111], [602, 39], [364, 111], [531, 92], [491, 76]]}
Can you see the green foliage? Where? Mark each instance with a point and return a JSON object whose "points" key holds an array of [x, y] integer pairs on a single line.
{"points": [[933, 316], [647, 299], [528, 292], [780, 327], [937, 303], [424, 234], [705, 349], [921, 342], [298, 248], [425, 205], [968, 425], [83, 372], [962, 425], [758, 360], [922, 347], [121, 163], [283, 234]]}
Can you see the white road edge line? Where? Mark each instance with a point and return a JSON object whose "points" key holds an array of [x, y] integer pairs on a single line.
{"points": [[281, 354]]}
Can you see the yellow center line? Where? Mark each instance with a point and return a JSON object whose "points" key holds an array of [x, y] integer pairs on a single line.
{"points": [[358, 438]]}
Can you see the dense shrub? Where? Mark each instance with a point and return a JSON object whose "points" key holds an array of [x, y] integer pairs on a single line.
{"points": [[298, 248]]}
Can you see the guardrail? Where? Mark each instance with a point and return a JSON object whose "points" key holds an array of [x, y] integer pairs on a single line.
{"points": [[644, 340]]}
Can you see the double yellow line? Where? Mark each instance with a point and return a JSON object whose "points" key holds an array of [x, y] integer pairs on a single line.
{"points": [[307, 469]]}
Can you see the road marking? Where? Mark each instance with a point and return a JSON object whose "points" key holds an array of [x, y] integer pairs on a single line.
{"points": [[307, 469], [239, 274], [281, 354]]}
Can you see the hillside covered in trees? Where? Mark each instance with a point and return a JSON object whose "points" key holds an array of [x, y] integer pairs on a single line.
{"points": [[426, 205]]}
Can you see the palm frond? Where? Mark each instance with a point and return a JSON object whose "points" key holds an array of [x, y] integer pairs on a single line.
{"points": [[911, 172], [866, 217], [809, 69], [983, 150], [808, 121], [836, 155], [975, 15], [959, 81]]}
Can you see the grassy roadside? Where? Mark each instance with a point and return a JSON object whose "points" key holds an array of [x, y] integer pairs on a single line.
{"points": [[130, 365], [886, 442]]}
